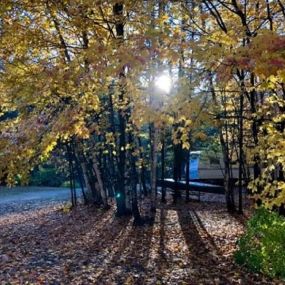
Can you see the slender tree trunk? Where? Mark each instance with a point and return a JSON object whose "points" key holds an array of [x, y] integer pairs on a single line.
{"points": [[255, 125], [154, 135], [71, 176], [225, 151], [187, 199], [228, 170], [176, 171], [163, 189], [90, 180], [114, 169], [134, 180], [80, 179], [118, 10], [101, 185], [80, 176], [143, 170], [121, 192], [86, 180], [240, 175]]}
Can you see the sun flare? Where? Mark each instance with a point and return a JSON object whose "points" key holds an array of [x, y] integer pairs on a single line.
{"points": [[164, 83]]}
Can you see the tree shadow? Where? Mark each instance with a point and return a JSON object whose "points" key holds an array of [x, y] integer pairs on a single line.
{"points": [[94, 247], [161, 250], [199, 225], [130, 260], [207, 264], [64, 247], [202, 261]]}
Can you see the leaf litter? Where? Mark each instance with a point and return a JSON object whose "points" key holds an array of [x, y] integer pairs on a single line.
{"points": [[189, 243]]}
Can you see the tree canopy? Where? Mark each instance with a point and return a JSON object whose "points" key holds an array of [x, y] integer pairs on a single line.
{"points": [[81, 76]]}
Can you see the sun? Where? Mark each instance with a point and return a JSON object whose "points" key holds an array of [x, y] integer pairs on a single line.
{"points": [[163, 82]]}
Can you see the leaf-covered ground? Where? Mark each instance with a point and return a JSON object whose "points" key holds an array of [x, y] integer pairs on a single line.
{"points": [[187, 244]]}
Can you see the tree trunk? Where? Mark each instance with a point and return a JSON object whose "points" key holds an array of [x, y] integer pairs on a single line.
{"points": [[71, 176], [187, 199], [240, 140], [133, 182], [101, 186], [176, 170], [143, 170], [163, 189], [80, 177], [90, 180], [154, 135], [227, 181], [118, 10]]}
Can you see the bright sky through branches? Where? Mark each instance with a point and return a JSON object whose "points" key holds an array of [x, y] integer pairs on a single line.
{"points": [[163, 82]]}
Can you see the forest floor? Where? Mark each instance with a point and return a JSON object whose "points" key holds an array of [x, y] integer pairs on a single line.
{"points": [[187, 244]]}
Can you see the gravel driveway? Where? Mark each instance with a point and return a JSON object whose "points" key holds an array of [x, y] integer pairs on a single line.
{"points": [[21, 199]]}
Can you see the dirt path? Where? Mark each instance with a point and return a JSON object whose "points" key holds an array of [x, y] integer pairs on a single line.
{"points": [[187, 244]]}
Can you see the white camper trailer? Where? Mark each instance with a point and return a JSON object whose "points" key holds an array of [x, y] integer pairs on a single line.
{"points": [[204, 167]]}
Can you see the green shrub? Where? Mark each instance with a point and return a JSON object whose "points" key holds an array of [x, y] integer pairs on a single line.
{"points": [[66, 184], [46, 176], [262, 247]]}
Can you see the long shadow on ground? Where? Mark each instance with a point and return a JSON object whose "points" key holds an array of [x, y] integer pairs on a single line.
{"points": [[90, 246]]}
